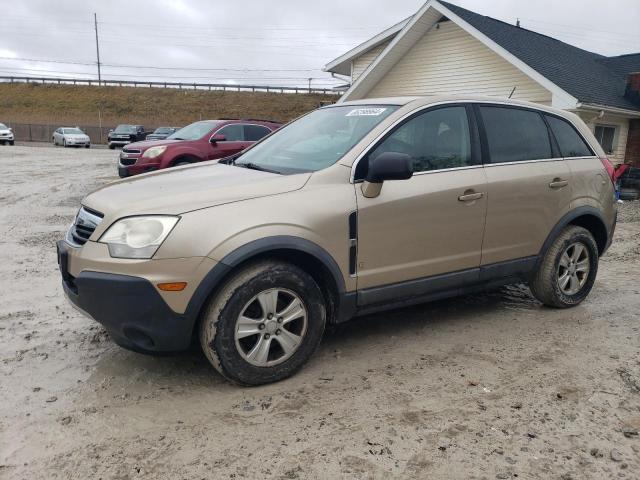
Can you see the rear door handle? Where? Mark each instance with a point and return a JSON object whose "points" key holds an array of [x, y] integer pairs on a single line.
{"points": [[470, 197], [558, 183]]}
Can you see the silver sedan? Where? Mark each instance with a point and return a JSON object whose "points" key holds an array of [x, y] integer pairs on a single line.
{"points": [[71, 137]]}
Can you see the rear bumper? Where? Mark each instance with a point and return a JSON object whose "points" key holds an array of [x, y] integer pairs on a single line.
{"points": [[130, 308]]}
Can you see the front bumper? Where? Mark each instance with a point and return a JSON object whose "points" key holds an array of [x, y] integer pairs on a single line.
{"points": [[119, 142], [130, 170], [130, 307]]}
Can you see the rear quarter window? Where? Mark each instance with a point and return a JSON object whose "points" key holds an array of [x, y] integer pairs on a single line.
{"points": [[515, 135], [253, 133], [569, 140]]}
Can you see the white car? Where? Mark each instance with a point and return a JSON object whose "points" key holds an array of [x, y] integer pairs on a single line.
{"points": [[6, 135], [71, 137]]}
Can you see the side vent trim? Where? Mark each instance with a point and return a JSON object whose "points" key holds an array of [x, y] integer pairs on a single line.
{"points": [[353, 243]]}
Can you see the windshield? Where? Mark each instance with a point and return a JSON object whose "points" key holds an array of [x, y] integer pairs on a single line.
{"points": [[163, 130], [73, 131], [195, 131], [3, 126], [317, 140], [125, 129]]}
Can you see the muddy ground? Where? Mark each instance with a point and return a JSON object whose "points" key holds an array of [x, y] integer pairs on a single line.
{"points": [[485, 386]]}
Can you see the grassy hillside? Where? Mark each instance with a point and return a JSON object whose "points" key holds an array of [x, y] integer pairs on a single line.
{"points": [[79, 105]]}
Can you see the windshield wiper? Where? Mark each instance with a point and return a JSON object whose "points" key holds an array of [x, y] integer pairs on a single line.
{"points": [[255, 166]]}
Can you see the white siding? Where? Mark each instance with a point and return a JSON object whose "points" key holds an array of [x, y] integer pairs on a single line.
{"points": [[622, 132], [447, 60], [360, 64]]}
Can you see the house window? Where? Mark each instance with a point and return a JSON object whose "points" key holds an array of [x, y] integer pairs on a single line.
{"points": [[605, 134]]}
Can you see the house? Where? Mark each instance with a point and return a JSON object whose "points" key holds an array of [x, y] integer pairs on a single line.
{"points": [[446, 49]]}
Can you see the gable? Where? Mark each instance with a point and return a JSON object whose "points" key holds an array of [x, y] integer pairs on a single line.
{"points": [[361, 63], [448, 60]]}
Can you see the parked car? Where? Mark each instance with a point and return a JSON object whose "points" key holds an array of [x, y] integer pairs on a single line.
{"points": [[125, 134], [71, 137], [6, 135], [200, 141], [161, 133], [354, 208]]}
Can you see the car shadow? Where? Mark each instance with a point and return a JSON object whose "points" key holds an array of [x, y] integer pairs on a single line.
{"points": [[190, 369]]}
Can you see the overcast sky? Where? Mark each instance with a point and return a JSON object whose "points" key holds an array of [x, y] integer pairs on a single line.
{"points": [[280, 42]]}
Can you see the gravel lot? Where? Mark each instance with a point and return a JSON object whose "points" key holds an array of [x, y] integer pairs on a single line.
{"points": [[480, 387]]}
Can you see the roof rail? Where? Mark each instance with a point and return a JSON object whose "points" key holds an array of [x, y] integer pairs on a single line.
{"points": [[250, 120]]}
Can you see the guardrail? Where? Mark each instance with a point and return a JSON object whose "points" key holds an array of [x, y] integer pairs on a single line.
{"points": [[178, 85]]}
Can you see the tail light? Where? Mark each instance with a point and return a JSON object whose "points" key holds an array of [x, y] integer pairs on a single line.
{"points": [[608, 166]]}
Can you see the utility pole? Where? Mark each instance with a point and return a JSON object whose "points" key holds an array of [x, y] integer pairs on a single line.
{"points": [[95, 24], [310, 84]]}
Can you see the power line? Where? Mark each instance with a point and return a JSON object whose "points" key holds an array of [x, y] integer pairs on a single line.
{"points": [[67, 62]]}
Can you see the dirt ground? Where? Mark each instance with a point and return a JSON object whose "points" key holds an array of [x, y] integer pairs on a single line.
{"points": [[485, 386]]}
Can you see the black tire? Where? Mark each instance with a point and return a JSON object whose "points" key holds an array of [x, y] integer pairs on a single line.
{"points": [[112, 147], [11, 142], [181, 163], [64, 143], [629, 194], [218, 323], [544, 283], [87, 146]]}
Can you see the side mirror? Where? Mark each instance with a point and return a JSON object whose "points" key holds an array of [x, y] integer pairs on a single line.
{"points": [[388, 166], [218, 138], [111, 130]]}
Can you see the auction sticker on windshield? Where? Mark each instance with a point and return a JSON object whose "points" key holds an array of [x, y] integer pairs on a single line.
{"points": [[366, 112]]}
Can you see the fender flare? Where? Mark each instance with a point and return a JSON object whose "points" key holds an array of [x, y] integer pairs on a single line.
{"points": [[566, 220], [216, 275]]}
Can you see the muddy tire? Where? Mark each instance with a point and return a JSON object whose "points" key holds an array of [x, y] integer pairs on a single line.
{"points": [[263, 324], [568, 270]]}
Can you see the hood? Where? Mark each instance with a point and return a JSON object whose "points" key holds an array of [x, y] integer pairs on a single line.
{"points": [[179, 190], [153, 143], [5, 130]]}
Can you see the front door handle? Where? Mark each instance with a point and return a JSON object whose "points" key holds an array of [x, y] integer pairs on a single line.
{"points": [[558, 183], [470, 197]]}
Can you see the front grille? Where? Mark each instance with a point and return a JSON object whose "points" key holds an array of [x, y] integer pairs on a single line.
{"points": [[130, 150], [83, 227]]}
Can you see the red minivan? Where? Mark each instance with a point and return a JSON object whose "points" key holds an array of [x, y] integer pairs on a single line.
{"points": [[198, 142]]}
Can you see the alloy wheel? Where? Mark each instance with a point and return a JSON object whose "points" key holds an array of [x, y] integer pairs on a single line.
{"points": [[271, 327], [574, 268]]}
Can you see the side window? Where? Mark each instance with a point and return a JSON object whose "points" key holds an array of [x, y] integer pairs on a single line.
{"points": [[569, 140], [253, 133], [436, 139], [605, 135], [233, 133], [515, 135]]}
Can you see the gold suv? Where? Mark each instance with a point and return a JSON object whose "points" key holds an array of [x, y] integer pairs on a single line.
{"points": [[353, 208]]}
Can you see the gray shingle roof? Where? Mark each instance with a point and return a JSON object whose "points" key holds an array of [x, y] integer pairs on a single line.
{"points": [[588, 76]]}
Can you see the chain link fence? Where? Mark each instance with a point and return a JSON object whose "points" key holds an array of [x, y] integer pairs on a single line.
{"points": [[32, 132]]}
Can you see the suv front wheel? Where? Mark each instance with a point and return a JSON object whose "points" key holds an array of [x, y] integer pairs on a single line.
{"points": [[264, 324], [568, 269]]}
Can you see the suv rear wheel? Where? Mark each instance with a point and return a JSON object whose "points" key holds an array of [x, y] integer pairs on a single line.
{"points": [[568, 270], [264, 324]]}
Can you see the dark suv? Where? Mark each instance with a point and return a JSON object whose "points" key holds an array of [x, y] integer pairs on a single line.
{"points": [[125, 134], [200, 141]]}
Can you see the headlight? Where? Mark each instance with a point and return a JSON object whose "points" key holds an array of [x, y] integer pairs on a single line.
{"points": [[138, 237], [154, 152]]}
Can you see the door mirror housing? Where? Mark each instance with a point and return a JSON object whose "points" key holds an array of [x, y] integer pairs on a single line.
{"points": [[388, 166], [218, 138]]}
